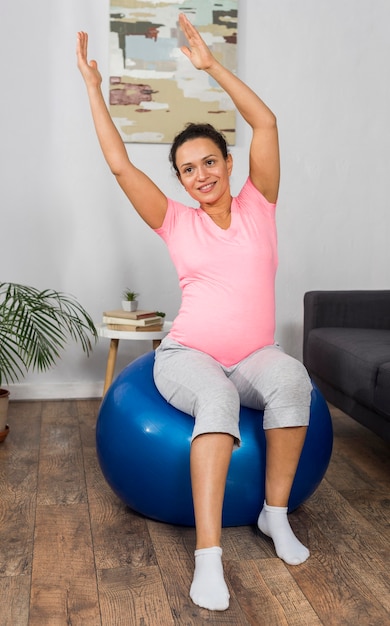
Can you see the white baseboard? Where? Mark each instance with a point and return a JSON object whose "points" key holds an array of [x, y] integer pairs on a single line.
{"points": [[55, 391]]}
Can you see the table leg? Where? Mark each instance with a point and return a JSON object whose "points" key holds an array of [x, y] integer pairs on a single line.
{"points": [[112, 352]]}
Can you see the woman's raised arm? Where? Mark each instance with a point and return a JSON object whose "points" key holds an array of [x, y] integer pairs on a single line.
{"points": [[147, 199], [264, 151]]}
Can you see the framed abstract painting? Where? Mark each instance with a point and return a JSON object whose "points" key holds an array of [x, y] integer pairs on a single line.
{"points": [[154, 89]]}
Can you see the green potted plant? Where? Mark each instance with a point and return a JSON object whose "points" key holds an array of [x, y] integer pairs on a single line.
{"points": [[129, 300], [34, 328]]}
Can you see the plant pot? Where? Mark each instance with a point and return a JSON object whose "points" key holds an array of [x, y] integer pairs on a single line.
{"points": [[4, 428], [129, 305]]}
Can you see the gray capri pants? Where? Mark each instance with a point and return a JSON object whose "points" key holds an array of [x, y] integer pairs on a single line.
{"points": [[267, 379]]}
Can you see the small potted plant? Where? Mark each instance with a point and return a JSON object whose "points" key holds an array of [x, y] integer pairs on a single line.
{"points": [[34, 327], [129, 301]]}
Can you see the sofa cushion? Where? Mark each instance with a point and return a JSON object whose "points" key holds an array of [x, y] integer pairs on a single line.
{"points": [[352, 360]]}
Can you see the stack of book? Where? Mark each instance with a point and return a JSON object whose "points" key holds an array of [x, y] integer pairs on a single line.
{"points": [[133, 320]]}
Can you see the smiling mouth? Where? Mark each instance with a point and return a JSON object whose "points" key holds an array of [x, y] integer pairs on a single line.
{"points": [[206, 188]]}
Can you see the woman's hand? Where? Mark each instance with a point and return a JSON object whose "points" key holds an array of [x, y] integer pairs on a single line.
{"points": [[264, 151], [198, 53], [89, 71]]}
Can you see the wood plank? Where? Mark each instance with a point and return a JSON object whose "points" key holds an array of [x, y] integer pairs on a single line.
{"points": [[176, 564], [16, 535], [253, 596], [297, 609], [375, 575], [342, 524], [337, 594], [14, 594], [61, 475], [18, 479], [374, 506], [121, 536], [25, 423], [130, 584], [268, 594], [371, 463], [133, 595], [336, 588], [246, 542], [343, 475], [64, 586], [87, 412]]}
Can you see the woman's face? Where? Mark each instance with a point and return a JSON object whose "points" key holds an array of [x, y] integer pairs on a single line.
{"points": [[203, 170]]}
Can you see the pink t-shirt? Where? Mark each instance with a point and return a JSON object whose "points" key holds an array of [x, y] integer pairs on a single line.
{"points": [[227, 277]]}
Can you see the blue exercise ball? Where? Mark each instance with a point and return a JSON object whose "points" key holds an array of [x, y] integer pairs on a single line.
{"points": [[143, 447]]}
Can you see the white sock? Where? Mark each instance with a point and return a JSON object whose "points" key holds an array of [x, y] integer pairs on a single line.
{"points": [[208, 588], [273, 522]]}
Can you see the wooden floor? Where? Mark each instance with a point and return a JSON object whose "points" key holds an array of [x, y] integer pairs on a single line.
{"points": [[72, 554]]}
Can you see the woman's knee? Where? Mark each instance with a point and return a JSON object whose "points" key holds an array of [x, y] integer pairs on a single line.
{"points": [[293, 383], [218, 412], [222, 399]]}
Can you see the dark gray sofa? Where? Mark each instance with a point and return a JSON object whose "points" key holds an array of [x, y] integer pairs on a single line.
{"points": [[346, 349]]}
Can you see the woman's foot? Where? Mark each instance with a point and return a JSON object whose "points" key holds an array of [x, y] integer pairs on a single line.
{"points": [[273, 522], [208, 588]]}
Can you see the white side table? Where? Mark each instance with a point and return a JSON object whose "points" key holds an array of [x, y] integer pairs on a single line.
{"points": [[115, 335]]}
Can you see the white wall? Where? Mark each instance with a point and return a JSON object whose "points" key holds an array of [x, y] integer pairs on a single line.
{"points": [[322, 66]]}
